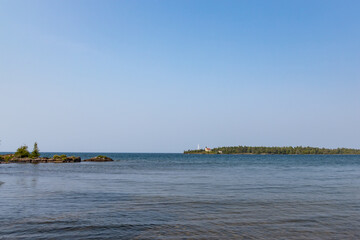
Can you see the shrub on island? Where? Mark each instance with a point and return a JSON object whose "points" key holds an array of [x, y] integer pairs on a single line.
{"points": [[61, 157], [36, 151], [99, 158], [22, 152], [64, 158], [8, 157]]}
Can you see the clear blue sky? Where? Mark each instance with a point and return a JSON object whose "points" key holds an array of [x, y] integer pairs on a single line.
{"points": [[164, 76]]}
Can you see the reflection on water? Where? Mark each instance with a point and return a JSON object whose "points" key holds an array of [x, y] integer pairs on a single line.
{"points": [[27, 182], [175, 196]]}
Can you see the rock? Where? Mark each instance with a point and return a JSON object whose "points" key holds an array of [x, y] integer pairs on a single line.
{"points": [[42, 160], [99, 159]]}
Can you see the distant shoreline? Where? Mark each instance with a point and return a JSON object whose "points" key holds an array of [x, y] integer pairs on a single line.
{"points": [[339, 154], [299, 150]]}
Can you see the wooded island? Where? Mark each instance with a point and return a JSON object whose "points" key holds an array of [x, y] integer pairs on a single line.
{"points": [[273, 150]]}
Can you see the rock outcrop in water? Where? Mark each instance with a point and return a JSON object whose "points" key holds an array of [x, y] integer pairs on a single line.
{"points": [[99, 159], [10, 158], [22, 155]]}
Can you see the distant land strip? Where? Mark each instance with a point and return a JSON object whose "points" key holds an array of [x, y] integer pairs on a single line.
{"points": [[274, 150]]}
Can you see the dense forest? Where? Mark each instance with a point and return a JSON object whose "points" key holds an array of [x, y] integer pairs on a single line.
{"points": [[274, 150]]}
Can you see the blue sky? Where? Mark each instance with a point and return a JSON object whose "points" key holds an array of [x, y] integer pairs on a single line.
{"points": [[164, 76]]}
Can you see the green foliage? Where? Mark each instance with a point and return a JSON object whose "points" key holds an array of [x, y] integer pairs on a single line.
{"points": [[277, 150], [22, 152], [62, 157], [101, 156], [6, 157], [36, 152]]}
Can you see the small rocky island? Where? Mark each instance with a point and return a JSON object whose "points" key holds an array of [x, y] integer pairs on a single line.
{"points": [[22, 155], [99, 158]]}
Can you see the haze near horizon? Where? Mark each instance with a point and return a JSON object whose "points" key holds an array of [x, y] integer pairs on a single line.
{"points": [[165, 76]]}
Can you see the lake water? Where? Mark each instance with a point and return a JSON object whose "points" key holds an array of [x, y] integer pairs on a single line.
{"points": [[176, 196]]}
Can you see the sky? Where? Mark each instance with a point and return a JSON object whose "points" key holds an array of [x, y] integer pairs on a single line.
{"points": [[165, 76]]}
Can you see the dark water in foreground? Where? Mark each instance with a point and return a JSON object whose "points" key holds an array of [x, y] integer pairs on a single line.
{"points": [[175, 196]]}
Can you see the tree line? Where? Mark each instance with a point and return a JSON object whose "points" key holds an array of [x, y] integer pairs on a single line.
{"points": [[275, 150]]}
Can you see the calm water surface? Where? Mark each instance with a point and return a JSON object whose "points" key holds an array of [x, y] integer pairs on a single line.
{"points": [[175, 196]]}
